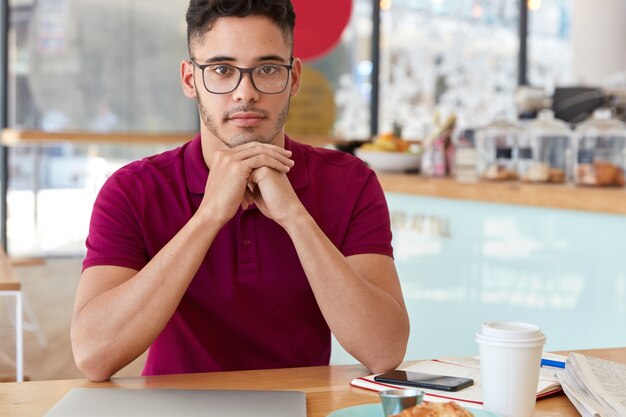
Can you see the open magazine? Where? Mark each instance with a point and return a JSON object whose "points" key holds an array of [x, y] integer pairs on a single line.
{"points": [[596, 387], [462, 367]]}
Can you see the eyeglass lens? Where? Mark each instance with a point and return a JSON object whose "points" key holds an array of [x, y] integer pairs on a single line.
{"points": [[267, 78]]}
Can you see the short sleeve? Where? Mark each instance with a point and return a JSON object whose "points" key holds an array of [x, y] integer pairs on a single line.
{"points": [[115, 236], [369, 230]]}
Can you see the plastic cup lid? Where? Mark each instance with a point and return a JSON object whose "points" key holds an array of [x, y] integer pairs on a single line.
{"points": [[511, 330]]}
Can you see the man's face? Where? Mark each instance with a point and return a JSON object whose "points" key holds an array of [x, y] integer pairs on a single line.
{"points": [[245, 114]]}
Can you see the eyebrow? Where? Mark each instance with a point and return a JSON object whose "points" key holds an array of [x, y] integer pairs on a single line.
{"points": [[263, 58], [272, 58]]}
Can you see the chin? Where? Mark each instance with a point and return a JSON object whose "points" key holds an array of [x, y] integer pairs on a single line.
{"points": [[242, 139]]}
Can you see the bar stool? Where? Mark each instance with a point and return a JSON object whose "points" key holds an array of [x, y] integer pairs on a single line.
{"points": [[10, 286]]}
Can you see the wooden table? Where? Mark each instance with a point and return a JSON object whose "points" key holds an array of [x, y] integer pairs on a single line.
{"points": [[10, 286], [327, 388]]}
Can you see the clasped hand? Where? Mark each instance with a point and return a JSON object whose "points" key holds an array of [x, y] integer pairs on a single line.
{"points": [[250, 173]]}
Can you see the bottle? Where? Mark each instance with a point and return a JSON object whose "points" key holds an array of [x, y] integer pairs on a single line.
{"points": [[465, 156], [438, 155]]}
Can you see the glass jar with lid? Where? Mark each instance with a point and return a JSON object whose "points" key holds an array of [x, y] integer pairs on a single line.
{"points": [[495, 151], [600, 148], [543, 150]]}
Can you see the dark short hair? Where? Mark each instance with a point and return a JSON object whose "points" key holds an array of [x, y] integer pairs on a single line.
{"points": [[202, 15]]}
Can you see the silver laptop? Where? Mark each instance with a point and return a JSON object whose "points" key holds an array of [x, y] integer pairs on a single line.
{"points": [[117, 402]]}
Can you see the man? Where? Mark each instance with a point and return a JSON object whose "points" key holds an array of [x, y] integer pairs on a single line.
{"points": [[242, 249]]}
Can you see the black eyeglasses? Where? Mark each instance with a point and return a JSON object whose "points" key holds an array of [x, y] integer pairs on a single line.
{"points": [[225, 78]]}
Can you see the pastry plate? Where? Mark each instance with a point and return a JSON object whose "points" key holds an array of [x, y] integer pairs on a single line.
{"points": [[376, 410], [390, 161]]}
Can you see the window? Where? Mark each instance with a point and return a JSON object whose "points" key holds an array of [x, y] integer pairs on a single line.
{"points": [[98, 65], [102, 66], [550, 44], [435, 55]]}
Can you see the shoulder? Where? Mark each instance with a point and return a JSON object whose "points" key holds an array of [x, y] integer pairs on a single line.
{"points": [[158, 162], [151, 168]]}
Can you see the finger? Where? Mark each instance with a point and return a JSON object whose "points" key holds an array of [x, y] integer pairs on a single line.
{"points": [[251, 159], [248, 198], [254, 158], [258, 145], [265, 155], [277, 152], [259, 161], [258, 175]]}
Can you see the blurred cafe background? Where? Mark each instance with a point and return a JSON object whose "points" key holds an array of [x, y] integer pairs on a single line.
{"points": [[496, 127]]}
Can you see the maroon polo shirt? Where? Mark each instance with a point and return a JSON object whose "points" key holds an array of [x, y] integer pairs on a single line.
{"points": [[250, 305]]}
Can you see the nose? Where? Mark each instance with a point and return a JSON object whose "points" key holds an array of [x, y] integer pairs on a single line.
{"points": [[245, 91]]}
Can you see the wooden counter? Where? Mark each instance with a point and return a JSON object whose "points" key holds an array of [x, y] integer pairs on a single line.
{"points": [[569, 197]]}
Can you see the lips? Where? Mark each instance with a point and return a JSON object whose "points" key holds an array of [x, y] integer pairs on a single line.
{"points": [[246, 118]]}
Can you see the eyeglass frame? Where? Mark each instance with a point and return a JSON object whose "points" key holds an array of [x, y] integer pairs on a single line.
{"points": [[243, 71]]}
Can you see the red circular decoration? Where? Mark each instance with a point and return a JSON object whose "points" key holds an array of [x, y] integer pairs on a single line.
{"points": [[319, 25]]}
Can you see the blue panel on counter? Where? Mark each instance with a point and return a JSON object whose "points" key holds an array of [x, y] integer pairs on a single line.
{"points": [[462, 263]]}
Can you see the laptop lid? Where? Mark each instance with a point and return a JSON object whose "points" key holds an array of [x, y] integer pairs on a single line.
{"points": [[115, 402]]}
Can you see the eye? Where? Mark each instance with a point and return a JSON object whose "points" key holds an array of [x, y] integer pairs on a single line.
{"points": [[221, 69], [268, 69]]}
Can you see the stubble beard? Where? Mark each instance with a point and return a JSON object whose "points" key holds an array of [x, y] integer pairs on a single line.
{"points": [[246, 134]]}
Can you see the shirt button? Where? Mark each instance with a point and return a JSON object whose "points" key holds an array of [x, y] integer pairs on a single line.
{"points": [[246, 242]]}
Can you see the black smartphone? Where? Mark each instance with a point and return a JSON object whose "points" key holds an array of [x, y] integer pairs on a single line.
{"points": [[421, 380]]}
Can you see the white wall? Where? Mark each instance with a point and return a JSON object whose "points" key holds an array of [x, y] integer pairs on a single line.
{"points": [[599, 39]]}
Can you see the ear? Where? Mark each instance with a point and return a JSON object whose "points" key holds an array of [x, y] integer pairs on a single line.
{"points": [[187, 79], [296, 77]]}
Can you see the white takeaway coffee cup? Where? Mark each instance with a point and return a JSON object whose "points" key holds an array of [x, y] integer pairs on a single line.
{"points": [[510, 357]]}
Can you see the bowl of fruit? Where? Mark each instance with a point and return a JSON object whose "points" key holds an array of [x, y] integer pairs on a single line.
{"points": [[390, 153]]}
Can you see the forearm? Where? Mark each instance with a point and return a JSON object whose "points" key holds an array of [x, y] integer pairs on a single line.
{"points": [[116, 326], [369, 322]]}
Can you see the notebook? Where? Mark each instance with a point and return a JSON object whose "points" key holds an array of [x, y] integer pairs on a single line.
{"points": [[115, 402], [461, 367]]}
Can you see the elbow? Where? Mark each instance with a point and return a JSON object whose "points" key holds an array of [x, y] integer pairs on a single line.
{"points": [[90, 362], [93, 373], [391, 355], [92, 367], [385, 364]]}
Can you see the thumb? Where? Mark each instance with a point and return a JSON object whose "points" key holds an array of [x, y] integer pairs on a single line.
{"points": [[248, 197]]}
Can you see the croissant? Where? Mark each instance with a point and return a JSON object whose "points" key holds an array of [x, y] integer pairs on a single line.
{"points": [[450, 409]]}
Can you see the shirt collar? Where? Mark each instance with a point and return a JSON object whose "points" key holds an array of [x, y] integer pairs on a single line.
{"points": [[197, 172]]}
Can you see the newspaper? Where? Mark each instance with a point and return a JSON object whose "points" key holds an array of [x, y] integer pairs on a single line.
{"points": [[596, 387]]}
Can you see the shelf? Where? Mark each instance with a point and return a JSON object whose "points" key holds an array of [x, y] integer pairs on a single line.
{"points": [[11, 137]]}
